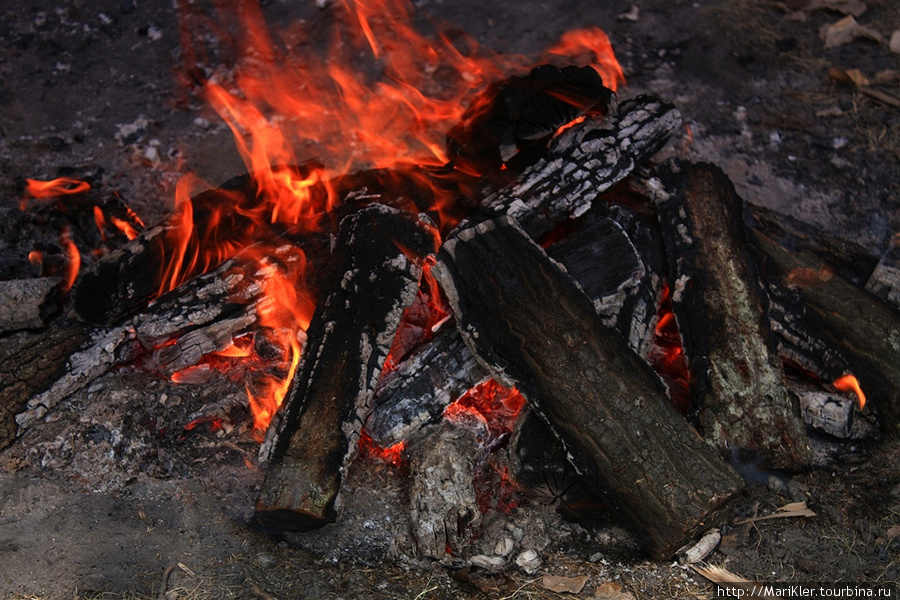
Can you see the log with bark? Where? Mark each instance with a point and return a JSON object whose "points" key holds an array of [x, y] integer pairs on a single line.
{"points": [[533, 328], [737, 380], [315, 434], [28, 303], [859, 329]]}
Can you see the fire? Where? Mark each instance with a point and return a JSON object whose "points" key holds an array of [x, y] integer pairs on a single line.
{"points": [[849, 383], [61, 186], [667, 354], [497, 406], [73, 257], [285, 100]]}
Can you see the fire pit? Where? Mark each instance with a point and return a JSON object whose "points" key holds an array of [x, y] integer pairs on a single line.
{"points": [[144, 385]]}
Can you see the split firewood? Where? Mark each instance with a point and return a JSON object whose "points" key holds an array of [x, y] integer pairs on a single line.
{"points": [[737, 380], [861, 330], [315, 434], [28, 303], [585, 161], [533, 328]]}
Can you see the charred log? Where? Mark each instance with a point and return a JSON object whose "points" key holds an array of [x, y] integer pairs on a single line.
{"points": [[737, 381], [861, 329], [583, 162], [315, 435], [533, 328], [421, 387]]}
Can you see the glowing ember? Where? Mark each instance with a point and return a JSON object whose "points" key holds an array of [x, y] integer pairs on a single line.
{"points": [[849, 383], [393, 455], [497, 406], [667, 354]]}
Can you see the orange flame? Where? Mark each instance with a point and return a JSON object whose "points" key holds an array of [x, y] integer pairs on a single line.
{"points": [[73, 256], [62, 186], [849, 383]]}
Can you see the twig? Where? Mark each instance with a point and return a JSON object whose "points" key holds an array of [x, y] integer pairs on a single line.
{"points": [[879, 95], [164, 584], [261, 593]]}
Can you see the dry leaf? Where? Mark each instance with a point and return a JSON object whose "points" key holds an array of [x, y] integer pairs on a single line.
{"points": [[794, 509], [611, 591], [845, 31], [893, 532], [895, 42], [559, 584]]}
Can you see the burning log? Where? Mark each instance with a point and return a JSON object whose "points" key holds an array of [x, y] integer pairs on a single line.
{"points": [[600, 257], [418, 390], [583, 162], [28, 303], [533, 328], [861, 330], [315, 435], [737, 380]]}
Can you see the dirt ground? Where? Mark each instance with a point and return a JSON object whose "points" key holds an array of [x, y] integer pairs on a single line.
{"points": [[89, 87]]}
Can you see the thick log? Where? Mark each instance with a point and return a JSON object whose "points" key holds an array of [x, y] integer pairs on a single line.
{"points": [[737, 380], [583, 162], [28, 364], [861, 330], [315, 435], [533, 328], [28, 303]]}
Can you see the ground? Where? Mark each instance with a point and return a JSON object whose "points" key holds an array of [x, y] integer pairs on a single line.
{"points": [[92, 85]]}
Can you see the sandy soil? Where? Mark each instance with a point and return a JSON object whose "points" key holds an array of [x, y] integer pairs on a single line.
{"points": [[90, 87]]}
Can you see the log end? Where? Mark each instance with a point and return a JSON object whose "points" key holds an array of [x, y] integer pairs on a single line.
{"points": [[295, 499]]}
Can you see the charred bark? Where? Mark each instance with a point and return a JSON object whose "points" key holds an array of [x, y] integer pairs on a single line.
{"points": [[861, 330], [534, 329], [737, 381], [314, 437], [28, 303], [421, 387], [583, 162]]}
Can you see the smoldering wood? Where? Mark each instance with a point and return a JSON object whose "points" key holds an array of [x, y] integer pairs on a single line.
{"points": [[421, 387], [201, 315], [885, 279], [827, 412], [583, 162], [28, 303], [737, 380], [29, 362], [315, 434], [532, 327], [444, 511], [860, 328], [852, 261], [604, 262]]}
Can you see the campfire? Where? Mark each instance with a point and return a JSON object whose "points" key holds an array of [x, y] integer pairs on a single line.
{"points": [[489, 276]]}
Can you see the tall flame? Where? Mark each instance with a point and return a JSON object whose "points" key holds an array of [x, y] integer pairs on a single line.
{"points": [[849, 383]]}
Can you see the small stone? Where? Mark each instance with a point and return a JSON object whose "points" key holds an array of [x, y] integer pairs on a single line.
{"points": [[776, 484]]}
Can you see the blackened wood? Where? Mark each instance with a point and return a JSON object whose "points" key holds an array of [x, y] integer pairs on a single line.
{"points": [[444, 511], [861, 328], [885, 279], [202, 315], [737, 380], [533, 328], [29, 362], [583, 162], [314, 436], [28, 303], [602, 258], [604, 262], [421, 387]]}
